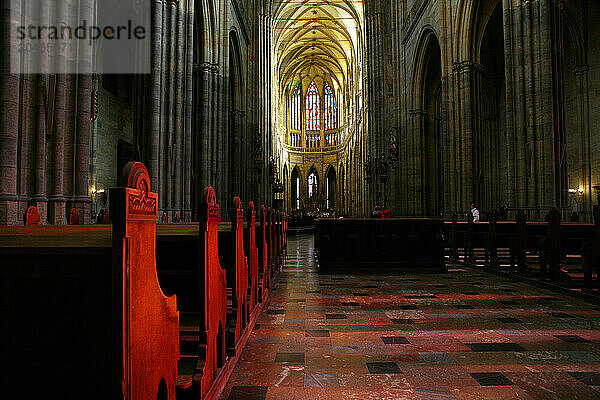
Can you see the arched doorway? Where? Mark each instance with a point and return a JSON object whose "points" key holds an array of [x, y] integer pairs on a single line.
{"points": [[581, 96], [312, 182], [201, 101], [489, 159], [342, 187], [331, 189], [236, 116], [285, 185], [428, 114], [295, 189]]}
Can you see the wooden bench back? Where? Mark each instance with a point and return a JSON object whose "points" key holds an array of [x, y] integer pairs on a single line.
{"points": [[239, 269], [215, 291], [263, 253], [149, 335], [85, 316], [251, 251]]}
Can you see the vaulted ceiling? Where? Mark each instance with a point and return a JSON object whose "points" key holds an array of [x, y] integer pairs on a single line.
{"points": [[316, 38]]}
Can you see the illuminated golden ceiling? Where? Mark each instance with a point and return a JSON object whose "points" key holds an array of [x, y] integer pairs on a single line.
{"points": [[316, 38]]}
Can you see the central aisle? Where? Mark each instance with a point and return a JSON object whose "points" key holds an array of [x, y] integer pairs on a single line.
{"points": [[463, 335]]}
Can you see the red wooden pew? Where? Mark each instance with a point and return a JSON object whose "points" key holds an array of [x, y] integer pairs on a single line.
{"points": [[263, 254], [237, 275], [251, 251], [84, 315], [525, 247], [272, 251], [215, 291], [227, 251]]}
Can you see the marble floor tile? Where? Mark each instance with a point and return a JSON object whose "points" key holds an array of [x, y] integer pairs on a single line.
{"points": [[464, 335]]}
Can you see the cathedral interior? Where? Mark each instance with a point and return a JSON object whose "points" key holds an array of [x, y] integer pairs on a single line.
{"points": [[313, 117]]}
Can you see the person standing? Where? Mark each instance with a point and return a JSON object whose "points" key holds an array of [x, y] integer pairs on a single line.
{"points": [[475, 213]]}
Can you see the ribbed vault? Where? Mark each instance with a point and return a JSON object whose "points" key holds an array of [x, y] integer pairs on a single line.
{"points": [[317, 38]]}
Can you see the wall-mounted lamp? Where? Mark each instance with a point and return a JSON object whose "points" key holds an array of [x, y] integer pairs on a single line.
{"points": [[576, 195], [99, 200]]}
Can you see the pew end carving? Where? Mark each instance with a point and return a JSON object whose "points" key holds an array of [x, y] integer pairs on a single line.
{"points": [[237, 277], [150, 328], [88, 318], [214, 287], [251, 251], [263, 254]]}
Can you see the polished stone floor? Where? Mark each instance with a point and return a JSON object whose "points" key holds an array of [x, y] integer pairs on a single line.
{"points": [[462, 335]]}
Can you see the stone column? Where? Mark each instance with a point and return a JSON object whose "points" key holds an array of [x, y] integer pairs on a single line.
{"points": [[152, 149], [9, 109], [464, 74], [582, 73], [415, 163], [81, 195], [188, 92]]}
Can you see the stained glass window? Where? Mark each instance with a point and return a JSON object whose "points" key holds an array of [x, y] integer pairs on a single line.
{"points": [[295, 108], [330, 108], [313, 108]]}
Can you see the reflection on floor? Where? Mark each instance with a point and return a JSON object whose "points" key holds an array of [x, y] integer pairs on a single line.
{"points": [[463, 335]]}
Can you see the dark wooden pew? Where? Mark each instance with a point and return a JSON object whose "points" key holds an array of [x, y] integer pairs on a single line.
{"points": [[188, 264], [231, 254], [381, 245], [591, 255], [251, 251], [270, 235], [181, 272], [187, 253], [263, 253], [526, 247], [285, 231], [215, 293], [279, 239], [83, 313]]}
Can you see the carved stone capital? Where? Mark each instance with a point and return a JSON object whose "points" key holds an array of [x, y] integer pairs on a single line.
{"points": [[207, 67], [237, 113], [417, 112], [466, 66], [581, 69]]}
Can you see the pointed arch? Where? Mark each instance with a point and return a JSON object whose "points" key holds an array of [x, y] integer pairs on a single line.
{"points": [[285, 183], [296, 108], [313, 108], [204, 50], [330, 192], [295, 188], [331, 110], [236, 116], [312, 182], [427, 110], [489, 159], [342, 187]]}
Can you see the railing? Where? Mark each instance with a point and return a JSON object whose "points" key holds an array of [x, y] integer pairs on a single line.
{"points": [[328, 149]]}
